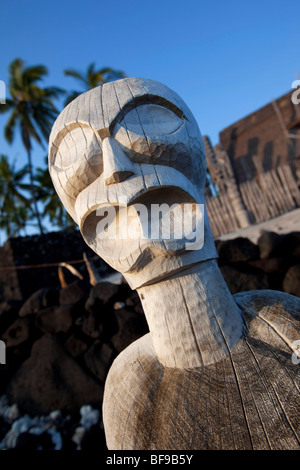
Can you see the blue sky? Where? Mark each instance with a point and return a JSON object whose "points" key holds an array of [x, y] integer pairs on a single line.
{"points": [[225, 59]]}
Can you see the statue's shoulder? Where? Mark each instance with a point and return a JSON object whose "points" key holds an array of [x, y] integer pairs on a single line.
{"points": [[137, 360], [132, 384], [272, 302], [138, 352], [271, 315]]}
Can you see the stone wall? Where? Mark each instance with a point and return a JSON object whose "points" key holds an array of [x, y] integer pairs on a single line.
{"points": [[17, 283]]}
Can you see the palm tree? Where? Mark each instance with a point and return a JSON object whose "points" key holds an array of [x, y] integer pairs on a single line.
{"points": [[32, 111], [15, 209], [46, 193], [91, 78]]}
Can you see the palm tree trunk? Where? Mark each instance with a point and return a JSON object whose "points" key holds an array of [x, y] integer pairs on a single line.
{"points": [[32, 190]]}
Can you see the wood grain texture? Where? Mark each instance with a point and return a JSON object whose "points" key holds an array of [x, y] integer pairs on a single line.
{"points": [[198, 320], [215, 371], [248, 400]]}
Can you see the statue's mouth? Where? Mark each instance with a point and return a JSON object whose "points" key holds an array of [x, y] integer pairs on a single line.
{"points": [[163, 195], [138, 215]]}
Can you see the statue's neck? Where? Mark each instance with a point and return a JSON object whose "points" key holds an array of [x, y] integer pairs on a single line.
{"points": [[192, 316]]}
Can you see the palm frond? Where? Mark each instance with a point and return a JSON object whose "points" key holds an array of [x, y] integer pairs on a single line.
{"points": [[6, 106], [9, 130], [33, 74], [72, 96]]}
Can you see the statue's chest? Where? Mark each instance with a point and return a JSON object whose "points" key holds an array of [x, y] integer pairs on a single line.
{"points": [[250, 400]]}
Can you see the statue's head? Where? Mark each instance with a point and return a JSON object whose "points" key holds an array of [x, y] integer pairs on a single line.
{"points": [[128, 162]]}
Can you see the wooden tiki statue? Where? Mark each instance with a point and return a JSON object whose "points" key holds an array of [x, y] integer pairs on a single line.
{"points": [[216, 370]]}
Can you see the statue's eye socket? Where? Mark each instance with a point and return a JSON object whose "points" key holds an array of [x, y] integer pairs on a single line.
{"points": [[79, 145], [151, 120]]}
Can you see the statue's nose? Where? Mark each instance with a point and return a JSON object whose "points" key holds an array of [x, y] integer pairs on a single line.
{"points": [[116, 165]]}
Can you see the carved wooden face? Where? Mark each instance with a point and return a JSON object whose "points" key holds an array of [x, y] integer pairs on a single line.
{"points": [[129, 142]]}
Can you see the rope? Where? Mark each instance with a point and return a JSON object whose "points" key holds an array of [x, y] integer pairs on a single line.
{"points": [[34, 266]]}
